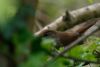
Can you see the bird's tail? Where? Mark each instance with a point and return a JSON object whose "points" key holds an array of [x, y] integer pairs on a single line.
{"points": [[81, 28]]}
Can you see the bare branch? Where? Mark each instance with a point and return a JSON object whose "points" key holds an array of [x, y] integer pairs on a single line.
{"points": [[73, 17], [90, 31]]}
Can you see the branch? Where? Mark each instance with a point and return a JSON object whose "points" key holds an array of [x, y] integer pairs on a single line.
{"points": [[90, 31], [73, 17]]}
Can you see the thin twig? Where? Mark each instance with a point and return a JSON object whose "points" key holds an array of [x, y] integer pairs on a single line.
{"points": [[90, 31], [38, 25]]}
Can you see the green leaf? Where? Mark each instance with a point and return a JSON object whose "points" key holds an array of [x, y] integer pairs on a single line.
{"points": [[35, 60], [48, 44], [77, 51], [36, 44], [60, 62]]}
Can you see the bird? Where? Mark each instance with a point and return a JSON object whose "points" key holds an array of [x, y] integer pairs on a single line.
{"points": [[64, 38]]}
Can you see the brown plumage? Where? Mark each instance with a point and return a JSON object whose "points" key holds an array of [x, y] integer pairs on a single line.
{"points": [[67, 37]]}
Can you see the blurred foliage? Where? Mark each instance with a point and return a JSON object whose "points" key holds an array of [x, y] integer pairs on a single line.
{"points": [[8, 9], [90, 1]]}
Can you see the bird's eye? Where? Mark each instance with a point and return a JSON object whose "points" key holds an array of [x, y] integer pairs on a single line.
{"points": [[46, 34]]}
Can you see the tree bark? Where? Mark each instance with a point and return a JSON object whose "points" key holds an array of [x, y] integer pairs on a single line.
{"points": [[31, 17], [72, 18]]}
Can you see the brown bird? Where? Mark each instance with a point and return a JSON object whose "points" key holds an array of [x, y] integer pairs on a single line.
{"points": [[67, 37]]}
